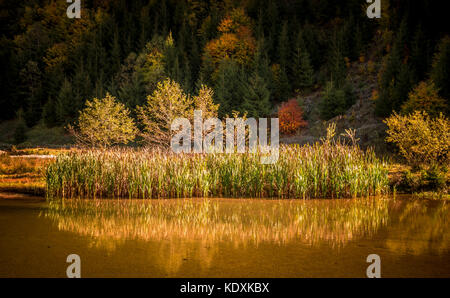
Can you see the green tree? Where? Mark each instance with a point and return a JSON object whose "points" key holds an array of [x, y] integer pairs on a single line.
{"points": [[228, 86], [256, 97], [283, 47], [440, 74], [20, 131], [281, 86], [67, 104], [335, 101], [301, 68], [104, 122], [336, 63], [395, 79]]}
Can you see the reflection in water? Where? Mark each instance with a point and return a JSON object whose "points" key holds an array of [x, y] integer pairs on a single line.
{"points": [[425, 222], [203, 229], [207, 221]]}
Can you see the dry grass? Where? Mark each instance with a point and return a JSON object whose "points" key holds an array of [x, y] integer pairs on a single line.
{"points": [[22, 174]]}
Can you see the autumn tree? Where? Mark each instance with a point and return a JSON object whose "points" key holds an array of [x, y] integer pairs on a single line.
{"points": [[104, 122], [424, 97], [235, 40], [204, 102], [166, 103], [290, 116], [419, 137]]}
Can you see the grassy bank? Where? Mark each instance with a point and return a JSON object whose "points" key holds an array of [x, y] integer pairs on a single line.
{"points": [[20, 174], [317, 171]]}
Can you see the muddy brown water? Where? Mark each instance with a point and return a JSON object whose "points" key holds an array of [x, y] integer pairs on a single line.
{"points": [[224, 237]]}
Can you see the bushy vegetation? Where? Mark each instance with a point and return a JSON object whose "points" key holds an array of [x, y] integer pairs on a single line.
{"points": [[420, 138]]}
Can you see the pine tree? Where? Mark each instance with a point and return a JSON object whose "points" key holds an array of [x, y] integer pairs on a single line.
{"points": [[205, 73], [50, 113], [115, 53], [301, 68], [67, 104], [187, 77], [440, 74], [228, 87], [256, 97], [394, 82], [132, 93], [283, 47], [261, 65], [20, 131], [419, 56], [32, 77], [333, 101], [336, 63], [281, 86]]}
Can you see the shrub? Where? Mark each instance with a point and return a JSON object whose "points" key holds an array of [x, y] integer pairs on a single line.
{"points": [[435, 178], [420, 138], [104, 122], [424, 98], [291, 117]]}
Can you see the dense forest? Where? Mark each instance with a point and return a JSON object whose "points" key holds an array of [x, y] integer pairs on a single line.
{"points": [[254, 54]]}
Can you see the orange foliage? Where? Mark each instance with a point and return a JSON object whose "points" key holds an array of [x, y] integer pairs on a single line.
{"points": [[226, 26], [236, 40], [291, 117]]}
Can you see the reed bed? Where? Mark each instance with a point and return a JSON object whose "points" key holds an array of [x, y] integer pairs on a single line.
{"points": [[311, 171]]}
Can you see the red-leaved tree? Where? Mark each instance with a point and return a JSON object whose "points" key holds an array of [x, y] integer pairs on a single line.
{"points": [[290, 116]]}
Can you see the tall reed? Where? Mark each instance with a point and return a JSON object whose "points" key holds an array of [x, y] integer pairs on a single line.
{"points": [[312, 171]]}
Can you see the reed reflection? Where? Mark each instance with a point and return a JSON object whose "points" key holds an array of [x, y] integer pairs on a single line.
{"points": [[240, 222]]}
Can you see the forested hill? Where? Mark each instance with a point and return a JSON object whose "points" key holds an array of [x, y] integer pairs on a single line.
{"points": [[255, 54]]}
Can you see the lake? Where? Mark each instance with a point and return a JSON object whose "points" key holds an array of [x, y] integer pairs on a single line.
{"points": [[224, 237]]}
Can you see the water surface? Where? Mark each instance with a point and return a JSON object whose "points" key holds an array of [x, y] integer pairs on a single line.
{"points": [[224, 237]]}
